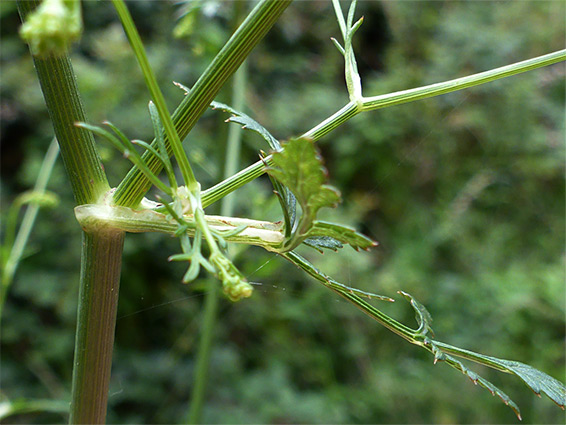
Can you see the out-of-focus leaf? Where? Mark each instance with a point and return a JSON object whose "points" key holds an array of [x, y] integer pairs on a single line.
{"points": [[23, 406]]}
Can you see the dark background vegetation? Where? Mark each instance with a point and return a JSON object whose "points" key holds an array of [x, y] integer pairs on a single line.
{"points": [[465, 193]]}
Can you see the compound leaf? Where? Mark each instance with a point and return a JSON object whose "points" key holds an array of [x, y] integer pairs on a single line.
{"points": [[476, 379], [538, 381]]}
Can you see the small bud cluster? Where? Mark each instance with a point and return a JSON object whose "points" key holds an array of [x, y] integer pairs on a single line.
{"points": [[52, 27]]}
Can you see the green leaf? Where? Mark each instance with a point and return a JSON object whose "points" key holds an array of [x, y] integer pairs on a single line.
{"points": [[476, 379], [284, 195], [423, 317], [124, 145], [538, 381], [323, 242], [299, 167], [322, 231], [25, 406], [248, 123]]}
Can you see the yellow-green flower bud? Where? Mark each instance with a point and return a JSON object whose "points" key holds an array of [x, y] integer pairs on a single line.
{"points": [[52, 27]]}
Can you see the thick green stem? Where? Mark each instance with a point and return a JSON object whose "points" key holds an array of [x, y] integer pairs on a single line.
{"points": [[98, 299], [101, 250], [132, 189], [78, 151]]}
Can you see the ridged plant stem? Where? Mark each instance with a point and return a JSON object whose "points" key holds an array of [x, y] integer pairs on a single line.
{"points": [[101, 250], [59, 87], [96, 321]]}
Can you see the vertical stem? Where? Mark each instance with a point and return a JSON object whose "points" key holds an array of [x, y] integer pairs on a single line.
{"points": [[78, 151], [27, 222], [226, 209], [101, 251], [203, 356], [234, 138], [98, 299]]}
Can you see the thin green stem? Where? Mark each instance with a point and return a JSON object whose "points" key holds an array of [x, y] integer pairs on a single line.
{"points": [[390, 323], [27, 222], [220, 190], [470, 355], [211, 303], [203, 356], [352, 109], [405, 96], [156, 94], [260, 20]]}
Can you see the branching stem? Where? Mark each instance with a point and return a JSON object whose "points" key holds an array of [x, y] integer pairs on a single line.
{"points": [[352, 109]]}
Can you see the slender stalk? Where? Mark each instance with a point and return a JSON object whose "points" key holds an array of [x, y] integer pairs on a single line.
{"points": [[405, 96], [352, 109], [203, 356], [211, 303], [27, 221], [260, 20], [156, 94], [98, 299]]}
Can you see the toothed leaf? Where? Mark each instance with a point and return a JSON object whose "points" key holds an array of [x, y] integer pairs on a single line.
{"points": [[423, 317], [285, 196], [299, 167], [538, 381], [476, 379], [248, 123]]}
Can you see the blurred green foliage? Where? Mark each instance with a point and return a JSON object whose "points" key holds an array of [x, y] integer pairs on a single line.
{"points": [[465, 192]]}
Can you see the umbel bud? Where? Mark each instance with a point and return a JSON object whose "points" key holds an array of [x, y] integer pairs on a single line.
{"points": [[52, 27]]}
